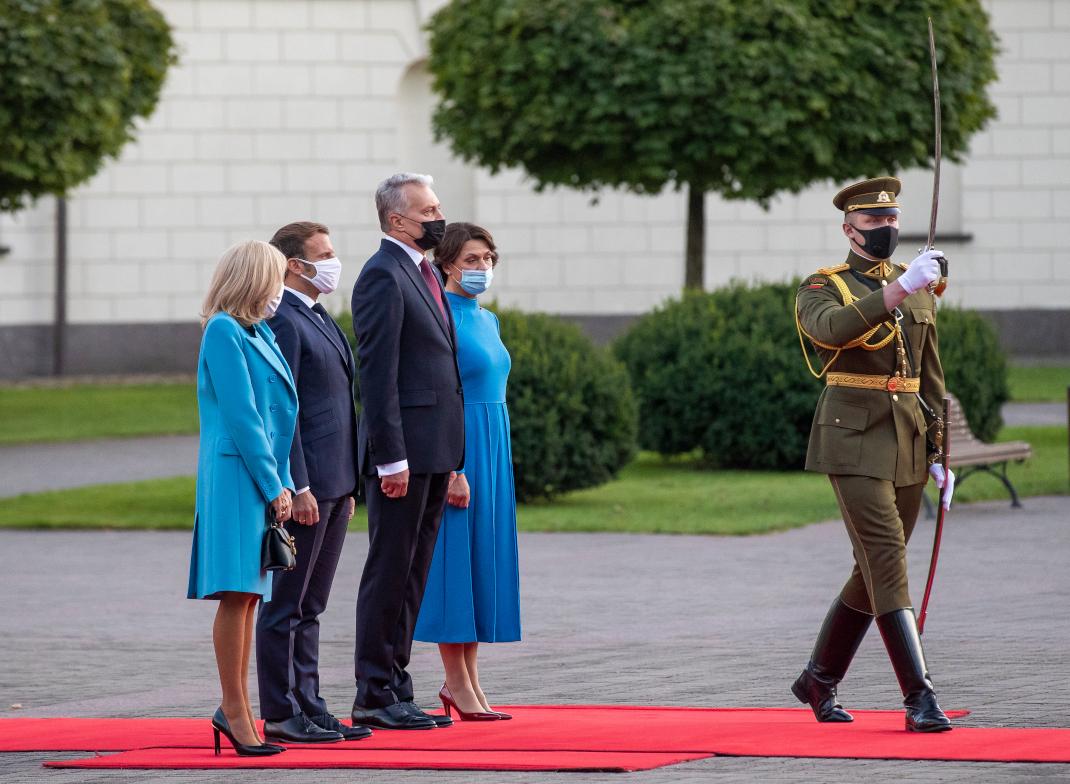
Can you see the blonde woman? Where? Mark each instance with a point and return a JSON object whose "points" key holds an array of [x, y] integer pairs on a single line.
{"points": [[248, 407]]}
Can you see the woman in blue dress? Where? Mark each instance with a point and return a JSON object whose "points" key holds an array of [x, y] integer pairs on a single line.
{"points": [[247, 406], [473, 589]]}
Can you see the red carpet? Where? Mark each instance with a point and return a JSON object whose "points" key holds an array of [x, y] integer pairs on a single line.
{"points": [[350, 757], [553, 738]]}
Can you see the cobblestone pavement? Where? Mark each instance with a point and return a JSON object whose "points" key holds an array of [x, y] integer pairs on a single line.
{"points": [[94, 624]]}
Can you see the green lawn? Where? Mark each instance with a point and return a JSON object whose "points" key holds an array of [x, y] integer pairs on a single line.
{"points": [[83, 411], [1039, 383], [650, 496]]}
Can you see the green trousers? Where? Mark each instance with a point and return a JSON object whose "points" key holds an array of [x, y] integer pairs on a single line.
{"points": [[880, 518]]}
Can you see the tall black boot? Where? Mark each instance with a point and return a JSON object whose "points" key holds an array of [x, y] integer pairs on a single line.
{"points": [[839, 638], [899, 629]]}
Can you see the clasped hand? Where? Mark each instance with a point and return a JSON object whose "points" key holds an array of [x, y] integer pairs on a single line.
{"points": [[282, 506]]}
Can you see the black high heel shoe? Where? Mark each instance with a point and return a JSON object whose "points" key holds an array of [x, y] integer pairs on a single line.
{"points": [[221, 725]]}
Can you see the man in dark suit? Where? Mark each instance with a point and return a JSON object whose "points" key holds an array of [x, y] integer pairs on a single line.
{"points": [[411, 438], [323, 461]]}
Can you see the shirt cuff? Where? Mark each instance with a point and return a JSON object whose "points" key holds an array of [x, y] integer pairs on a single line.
{"points": [[392, 468], [303, 490]]}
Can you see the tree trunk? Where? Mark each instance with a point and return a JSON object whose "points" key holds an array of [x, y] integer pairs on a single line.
{"points": [[59, 322], [695, 265]]}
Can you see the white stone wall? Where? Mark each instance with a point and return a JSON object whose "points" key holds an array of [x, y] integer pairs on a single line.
{"points": [[289, 109]]}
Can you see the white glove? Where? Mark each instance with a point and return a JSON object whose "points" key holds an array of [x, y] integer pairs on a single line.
{"points": [[925, 269], [937, 472]]}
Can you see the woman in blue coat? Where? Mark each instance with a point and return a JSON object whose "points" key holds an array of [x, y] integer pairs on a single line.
{"points": [[473, 588], [248, 408]]}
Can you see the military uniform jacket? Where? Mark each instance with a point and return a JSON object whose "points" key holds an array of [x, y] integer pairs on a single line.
{"points": [[870, 432]]}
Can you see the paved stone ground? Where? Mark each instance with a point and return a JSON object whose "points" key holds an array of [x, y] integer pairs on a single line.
{"points": [[94, 624], [34, 468]]}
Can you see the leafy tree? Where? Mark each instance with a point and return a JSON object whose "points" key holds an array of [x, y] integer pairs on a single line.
{"points": [[743, 99], [74, 77]]}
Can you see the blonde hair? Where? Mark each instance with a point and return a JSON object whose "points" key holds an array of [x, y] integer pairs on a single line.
{"points": [[247, 277]]}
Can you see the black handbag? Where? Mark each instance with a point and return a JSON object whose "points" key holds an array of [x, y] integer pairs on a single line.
{"points": [[279, 550]]}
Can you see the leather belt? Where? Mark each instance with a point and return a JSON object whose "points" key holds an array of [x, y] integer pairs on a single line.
{"points": [[863, 381]]}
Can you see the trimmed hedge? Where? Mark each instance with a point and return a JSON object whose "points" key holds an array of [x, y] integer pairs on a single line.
{"points": [[571, 409], [975, 368], [721, 373]]}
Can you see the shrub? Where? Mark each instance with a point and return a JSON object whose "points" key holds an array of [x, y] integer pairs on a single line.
{"points": [[571, 409], [975, 368], [721, 372]]}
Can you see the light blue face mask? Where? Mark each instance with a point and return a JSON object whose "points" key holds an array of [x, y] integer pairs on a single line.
{"points": [[475, 282]]}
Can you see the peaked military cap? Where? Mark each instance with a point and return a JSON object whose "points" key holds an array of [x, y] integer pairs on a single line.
{"points": [[873, 197]]}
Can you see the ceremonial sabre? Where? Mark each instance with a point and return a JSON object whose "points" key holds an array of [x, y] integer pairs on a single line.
{"points": [[940, 511], [945, 444]]}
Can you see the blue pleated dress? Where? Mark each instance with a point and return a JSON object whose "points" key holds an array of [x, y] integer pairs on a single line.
{"points": [[473, 589]]}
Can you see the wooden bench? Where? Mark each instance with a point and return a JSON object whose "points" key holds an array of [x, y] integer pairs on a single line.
{"points": [[970, 455]]}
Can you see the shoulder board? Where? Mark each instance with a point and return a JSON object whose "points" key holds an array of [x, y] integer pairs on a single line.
{"points": [[834, 270]]}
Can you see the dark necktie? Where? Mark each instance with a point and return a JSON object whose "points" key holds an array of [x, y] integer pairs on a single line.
{"points": [[433, 284], [328, 324]]}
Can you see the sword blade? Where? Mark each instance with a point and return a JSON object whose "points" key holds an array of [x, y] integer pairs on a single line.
{"points": [[937, 148]]}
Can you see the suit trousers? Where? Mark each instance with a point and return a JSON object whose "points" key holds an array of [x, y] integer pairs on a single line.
{"points": [[401, 542], [288, 627], [880, 518]]}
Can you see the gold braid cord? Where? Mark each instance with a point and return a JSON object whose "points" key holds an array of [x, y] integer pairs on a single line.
{"points": [[894, 330]]}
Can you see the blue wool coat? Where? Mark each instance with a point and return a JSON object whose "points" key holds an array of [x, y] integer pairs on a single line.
{"points": [[248, 409]]}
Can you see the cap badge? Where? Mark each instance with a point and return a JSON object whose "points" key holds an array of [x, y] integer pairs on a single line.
{"points": [[884, 197]]}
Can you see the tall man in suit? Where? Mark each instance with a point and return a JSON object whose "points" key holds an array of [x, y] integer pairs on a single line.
{"points": [[411, 437], [323, 462]]}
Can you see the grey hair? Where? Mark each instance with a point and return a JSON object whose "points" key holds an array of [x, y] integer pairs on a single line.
{"points": [[390, 195]]}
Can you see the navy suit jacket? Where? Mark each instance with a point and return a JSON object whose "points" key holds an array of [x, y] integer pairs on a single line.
{"points": [[323, 456], [410, 386]]}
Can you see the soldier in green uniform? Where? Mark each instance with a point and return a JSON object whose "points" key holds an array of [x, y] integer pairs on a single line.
{"points": [[877, 434]]}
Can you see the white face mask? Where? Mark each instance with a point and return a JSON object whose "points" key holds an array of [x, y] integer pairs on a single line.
{"points": [[327, 274], [273, 303]]}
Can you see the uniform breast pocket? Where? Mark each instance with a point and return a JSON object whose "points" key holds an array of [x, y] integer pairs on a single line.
{"points": [[921, 319], [842, 427]]}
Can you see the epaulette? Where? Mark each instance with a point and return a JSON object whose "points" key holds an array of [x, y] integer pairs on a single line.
{"points": [[834, 270], [820, 278]]}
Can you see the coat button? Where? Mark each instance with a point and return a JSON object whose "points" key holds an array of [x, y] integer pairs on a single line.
{"points": [[895, 397], [460, 391], [272, 433], [272, 379], [274, 407], [837, 420]]}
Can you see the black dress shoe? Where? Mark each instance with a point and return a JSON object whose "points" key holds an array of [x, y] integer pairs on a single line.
{"points": [[439, 720], [391, 717], [299, 729], [329, 722]]}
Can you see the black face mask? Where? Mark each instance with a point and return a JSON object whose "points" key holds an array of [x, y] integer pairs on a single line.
{"points": [[880, 242], [433, 233]]}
